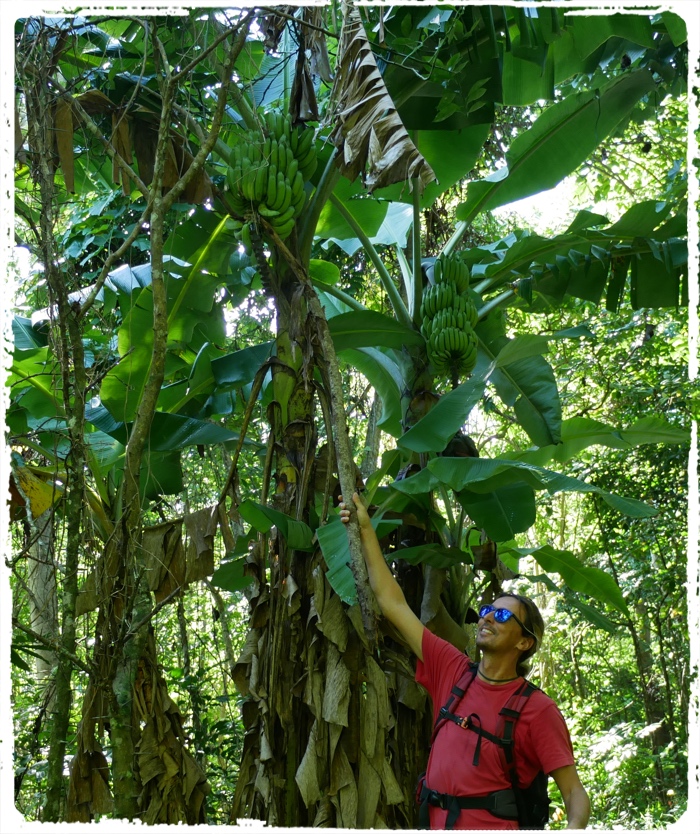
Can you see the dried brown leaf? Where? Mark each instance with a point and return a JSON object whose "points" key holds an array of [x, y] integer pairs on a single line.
{"points": [[63, 132], [336, 696], [369, 132], [201, 528], [312, 761], [334, 623], [343, 790], [369, 786], [316, 44], [392, 788]]}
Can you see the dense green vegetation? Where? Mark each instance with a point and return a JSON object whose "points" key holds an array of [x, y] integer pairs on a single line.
{"points": [[205, 357]]}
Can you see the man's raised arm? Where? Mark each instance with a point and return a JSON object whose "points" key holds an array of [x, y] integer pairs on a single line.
{"points": [[390, 597]]}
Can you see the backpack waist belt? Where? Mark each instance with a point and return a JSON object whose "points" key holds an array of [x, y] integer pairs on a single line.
{"points": [[501, 804]]}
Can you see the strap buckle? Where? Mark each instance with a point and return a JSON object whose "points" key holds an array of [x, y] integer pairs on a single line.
{"points": [[437, 799]]}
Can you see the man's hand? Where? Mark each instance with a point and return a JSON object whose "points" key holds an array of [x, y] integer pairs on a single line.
{"points": [[362, 515]]}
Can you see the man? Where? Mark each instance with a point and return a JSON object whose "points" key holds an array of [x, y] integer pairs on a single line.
{"points": [[466, 763]]}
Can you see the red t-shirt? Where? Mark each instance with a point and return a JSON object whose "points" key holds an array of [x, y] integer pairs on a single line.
{"points": [[542, 739]]}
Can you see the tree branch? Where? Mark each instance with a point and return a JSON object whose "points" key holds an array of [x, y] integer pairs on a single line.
{"points": [[56, 647]]}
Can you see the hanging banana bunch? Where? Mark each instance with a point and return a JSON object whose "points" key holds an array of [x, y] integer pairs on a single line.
{"points": [[267, 175], [448, 319]]}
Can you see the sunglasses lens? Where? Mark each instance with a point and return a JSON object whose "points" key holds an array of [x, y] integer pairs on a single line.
{"points": [[500, 615]]}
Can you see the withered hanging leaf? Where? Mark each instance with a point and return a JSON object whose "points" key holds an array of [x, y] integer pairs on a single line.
{"points": [[302, 99], [343, 790], [369, 788], [316, 44], [272, 26], [153, 547], [95, 102], [145, 141], [201, 529], [334, 622], [369, 132], [88, 788], [63, 133], [121, 140]]}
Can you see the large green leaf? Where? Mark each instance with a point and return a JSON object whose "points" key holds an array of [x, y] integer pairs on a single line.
{"points": [[367, 328], [640, 220], [434, 555], [656, 278], [298, 535], [161, 474], [30, 379], [173, 431], [483, 475], [239, 368], [589, 613], [368, 212], [586, 580], [527, 385], [324, 271], [579, 433], [122, 388], [434, 431], [524, 81], [503, 513], [25, 336], [384, 376], [333, 540], [559, 141], [531, 344], [230, 575]]}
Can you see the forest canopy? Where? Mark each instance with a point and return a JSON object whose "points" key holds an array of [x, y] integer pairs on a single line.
{"points": [[266, 257]]}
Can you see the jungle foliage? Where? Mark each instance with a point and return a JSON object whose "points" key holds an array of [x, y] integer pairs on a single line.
{"points": [[209, 351]]}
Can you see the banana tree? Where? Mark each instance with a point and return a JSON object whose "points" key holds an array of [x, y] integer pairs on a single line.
{"points": [[335, 729], [392, 355]]}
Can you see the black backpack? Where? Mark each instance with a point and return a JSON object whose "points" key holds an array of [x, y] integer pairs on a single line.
{"points": [[530, 806]]}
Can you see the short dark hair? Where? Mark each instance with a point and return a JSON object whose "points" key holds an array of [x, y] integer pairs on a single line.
{"points": [[534, 625]]}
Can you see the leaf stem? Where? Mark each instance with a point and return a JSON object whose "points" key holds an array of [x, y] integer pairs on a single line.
{"points": [[495, 302], [386, 280], [339, 294], [417, 283]]}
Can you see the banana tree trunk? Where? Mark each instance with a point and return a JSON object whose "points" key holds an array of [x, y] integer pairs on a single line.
{"points": [[330, 725]]}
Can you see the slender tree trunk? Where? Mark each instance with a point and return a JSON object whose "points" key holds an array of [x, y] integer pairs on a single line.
{"points": [[67, 336], [43, 595]]}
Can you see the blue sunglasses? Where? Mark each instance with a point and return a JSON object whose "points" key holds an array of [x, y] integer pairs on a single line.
{"points": [[502, 615]]}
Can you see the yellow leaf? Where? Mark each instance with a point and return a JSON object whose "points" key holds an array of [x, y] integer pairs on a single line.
{"points": [[38, 495]]}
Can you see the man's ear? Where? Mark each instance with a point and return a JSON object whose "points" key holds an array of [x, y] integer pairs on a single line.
{"points": [[528, 641]]}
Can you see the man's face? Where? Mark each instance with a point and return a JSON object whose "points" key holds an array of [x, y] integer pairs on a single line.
{"points": [[494, 636]]}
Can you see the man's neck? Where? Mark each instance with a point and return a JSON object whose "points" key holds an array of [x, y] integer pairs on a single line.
{"points": [[497, 669]]}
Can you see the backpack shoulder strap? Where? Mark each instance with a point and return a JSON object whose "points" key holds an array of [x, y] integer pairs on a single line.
{"points": [[457, 693], [506, 728]]}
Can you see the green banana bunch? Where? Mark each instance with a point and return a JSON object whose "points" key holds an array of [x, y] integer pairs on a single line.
{"points": [[452, 351], [268, 172], [437, 297], [465, 304], [450, 270], [449, 316]]}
